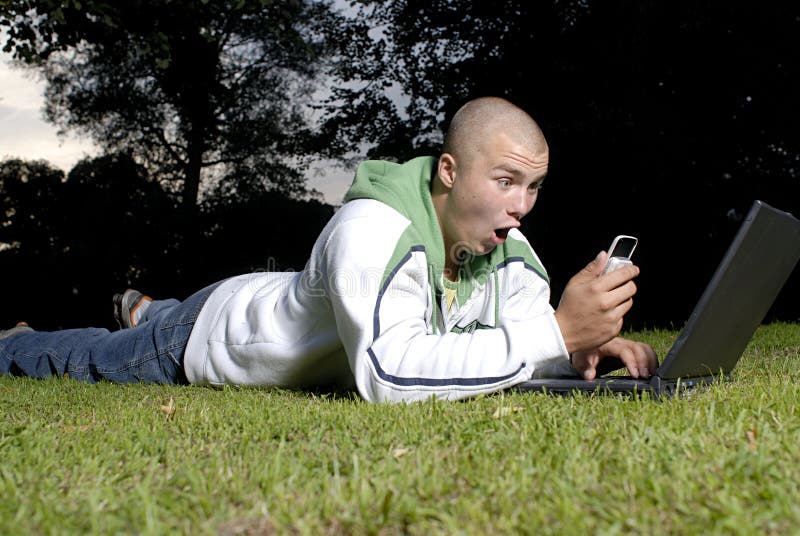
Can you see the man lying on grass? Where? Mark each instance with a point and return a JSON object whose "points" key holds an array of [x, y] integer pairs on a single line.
{"points": [[420, 285]]}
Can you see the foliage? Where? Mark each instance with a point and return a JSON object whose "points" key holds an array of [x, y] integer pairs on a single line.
{"points": [[70, 243], [193, 90], [29, 194], [71, 239], [583, 67], [665, 120], [151, 459]]}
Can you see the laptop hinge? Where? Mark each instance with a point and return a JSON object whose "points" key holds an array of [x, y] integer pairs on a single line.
{"points": [[671, 386]]}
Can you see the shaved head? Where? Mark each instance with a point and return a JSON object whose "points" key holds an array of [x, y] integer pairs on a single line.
{"points": [[488, 177], [480, 120]]}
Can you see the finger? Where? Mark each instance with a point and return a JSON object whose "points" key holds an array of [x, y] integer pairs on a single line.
{"points": [[628, 356], [614, 313], [646, 359], [620, 295], [618, 277], [622, 309], [641, 360], [651, 358]]}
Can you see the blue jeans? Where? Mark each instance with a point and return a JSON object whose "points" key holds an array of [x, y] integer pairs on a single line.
{"points": [[151, 352]]}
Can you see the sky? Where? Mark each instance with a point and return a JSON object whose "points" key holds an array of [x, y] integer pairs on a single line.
{"points": [[25, 134]]}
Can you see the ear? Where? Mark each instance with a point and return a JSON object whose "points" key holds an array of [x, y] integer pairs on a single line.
{"points": [[447, 170]]}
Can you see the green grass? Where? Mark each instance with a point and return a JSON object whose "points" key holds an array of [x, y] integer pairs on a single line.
{"points": [[106, 458]]}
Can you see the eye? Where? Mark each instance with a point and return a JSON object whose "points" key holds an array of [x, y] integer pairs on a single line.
{"points": [[535, 187], [504, 183]]}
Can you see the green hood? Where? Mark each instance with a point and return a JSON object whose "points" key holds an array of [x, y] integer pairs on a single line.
{"points": [[407, 189]]}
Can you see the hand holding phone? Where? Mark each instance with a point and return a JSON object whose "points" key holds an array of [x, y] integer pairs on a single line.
{"points": [[620, 252]]}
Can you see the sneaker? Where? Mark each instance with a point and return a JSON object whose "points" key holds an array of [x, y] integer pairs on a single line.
{"points": [[21, 327], [129, 307]]}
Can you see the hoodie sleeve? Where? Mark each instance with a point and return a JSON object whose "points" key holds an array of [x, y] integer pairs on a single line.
{"points": [[383, 319]]}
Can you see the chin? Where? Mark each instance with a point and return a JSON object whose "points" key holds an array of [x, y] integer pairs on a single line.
{"points": [[485, 250]]}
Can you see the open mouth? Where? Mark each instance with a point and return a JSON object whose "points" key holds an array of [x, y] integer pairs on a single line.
{"points": [[502, 234]]}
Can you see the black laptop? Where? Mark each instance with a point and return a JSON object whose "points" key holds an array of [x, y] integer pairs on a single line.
{"points": [[753, 271]]}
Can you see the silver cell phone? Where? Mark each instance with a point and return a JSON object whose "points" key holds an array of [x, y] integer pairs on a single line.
{"points": [[619, 254]]}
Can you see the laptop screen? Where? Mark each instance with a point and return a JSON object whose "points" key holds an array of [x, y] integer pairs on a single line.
{"points": [[747, 281]]}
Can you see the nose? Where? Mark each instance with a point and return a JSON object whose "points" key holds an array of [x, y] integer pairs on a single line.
{"points": [[522, 204]]}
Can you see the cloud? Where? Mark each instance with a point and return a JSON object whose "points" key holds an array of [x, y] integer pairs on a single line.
{"points": [[24, 133]]}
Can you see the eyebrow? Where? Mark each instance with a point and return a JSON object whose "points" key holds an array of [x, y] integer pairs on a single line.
{"points": [[509, 169], [513, 170]]}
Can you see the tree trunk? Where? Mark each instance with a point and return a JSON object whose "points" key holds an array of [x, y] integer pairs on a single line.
{"points": [[188, 218], [191, 184]]}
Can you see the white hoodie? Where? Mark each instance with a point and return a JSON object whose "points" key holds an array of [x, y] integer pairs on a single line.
{"points": [[369, 309]]}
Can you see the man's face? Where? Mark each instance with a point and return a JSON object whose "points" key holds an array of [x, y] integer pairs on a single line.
{"points": [[491, 193]]}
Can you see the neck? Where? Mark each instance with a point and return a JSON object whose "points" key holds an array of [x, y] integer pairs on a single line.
{"points": [[451, 269], [451, 265]]}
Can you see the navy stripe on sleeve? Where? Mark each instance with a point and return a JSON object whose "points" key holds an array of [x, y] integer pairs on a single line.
{"points": [[438, 382], [431, 382], [376, 321]]}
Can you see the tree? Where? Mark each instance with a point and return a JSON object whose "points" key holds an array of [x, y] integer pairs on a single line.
{"points": [[68, 243], [31, 236], [680, 113], [195, 91], [29, 199]]}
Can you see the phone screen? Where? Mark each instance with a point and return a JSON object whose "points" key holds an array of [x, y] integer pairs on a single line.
{"points": [[623, 248]]}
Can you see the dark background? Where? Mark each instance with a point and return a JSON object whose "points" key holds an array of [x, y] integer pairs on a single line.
{"points": [[665, 121]]}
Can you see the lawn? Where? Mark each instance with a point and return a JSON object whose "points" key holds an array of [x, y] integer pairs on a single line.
{"points": [[148, 459]]}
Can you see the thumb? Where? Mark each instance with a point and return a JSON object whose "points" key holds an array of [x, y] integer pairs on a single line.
{"points": [[589, 372], [585, 364], [594, 268]]}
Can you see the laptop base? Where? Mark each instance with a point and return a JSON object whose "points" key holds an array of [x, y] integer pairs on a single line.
{"points": [[621, 385]]}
